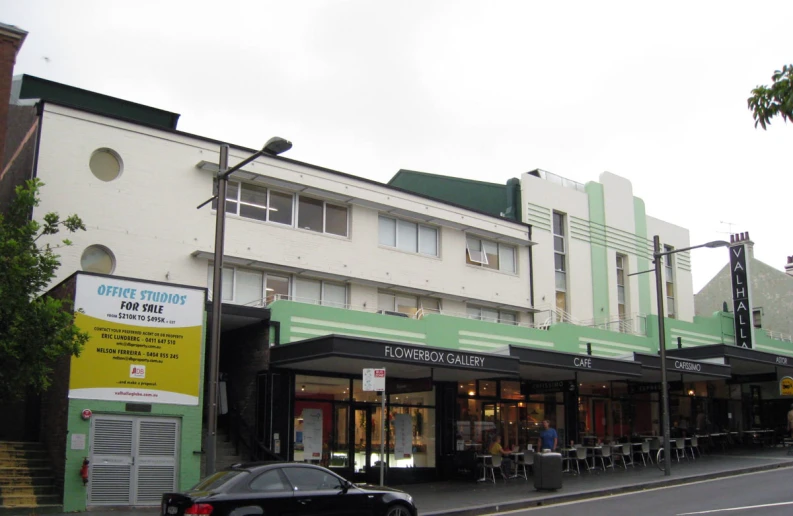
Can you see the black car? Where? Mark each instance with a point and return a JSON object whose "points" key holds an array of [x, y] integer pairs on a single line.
{"points": [[281, 489]]}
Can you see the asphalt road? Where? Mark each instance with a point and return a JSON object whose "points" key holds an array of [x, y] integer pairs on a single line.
{"points": [[769, 493]]}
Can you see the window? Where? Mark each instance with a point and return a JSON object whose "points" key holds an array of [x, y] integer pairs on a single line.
{"points": [[261, 203], [560, 262], [250, 287], [669, 269], [757, 317], [311, 479], [622, 301], [406, 304], [408, 236], [322, 217], [105, 164], [492, 315], [490, 255], [269, 481], [98, 258], [320, 292]]}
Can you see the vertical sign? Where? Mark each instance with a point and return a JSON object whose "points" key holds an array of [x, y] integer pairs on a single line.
{"points": [[741, 301], [312, 434], [403, 436], [374, 380]]}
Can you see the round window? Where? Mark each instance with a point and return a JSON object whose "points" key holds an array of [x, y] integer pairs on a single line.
{"points": [[98, 258], [105, 164]]}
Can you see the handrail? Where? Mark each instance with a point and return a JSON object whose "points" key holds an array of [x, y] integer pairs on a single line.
{"points": [[239, 429]]}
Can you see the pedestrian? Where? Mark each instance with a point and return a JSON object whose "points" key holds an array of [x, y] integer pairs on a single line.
{"points": [[548, 437]]}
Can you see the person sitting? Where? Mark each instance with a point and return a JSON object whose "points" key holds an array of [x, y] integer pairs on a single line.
{"points": [[497, 451]]}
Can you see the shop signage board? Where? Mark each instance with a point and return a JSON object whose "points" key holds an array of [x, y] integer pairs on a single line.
{"points": [[641, 388], [786, 386], [144, 341], [548, 387], [403, 435], [741, 299], [312, 434]]}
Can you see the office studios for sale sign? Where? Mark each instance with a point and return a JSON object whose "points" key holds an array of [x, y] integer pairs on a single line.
{"points": [[145, 341]]}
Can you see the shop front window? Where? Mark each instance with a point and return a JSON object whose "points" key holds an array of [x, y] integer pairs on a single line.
{"points": [[321, 420], [411, 436]]}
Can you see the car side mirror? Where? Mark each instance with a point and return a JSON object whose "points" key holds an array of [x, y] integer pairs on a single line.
{"points": [[346, 486]]}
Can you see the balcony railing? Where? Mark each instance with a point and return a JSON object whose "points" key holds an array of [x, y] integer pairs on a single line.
{"points": [[775, 335]]}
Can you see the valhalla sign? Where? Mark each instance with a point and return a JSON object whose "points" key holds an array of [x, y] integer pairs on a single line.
{"points": [[741, 300]]}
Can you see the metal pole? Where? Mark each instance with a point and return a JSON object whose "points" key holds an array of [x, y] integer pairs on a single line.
{"points": [[382, 438], [662, 349], [217, 302]]}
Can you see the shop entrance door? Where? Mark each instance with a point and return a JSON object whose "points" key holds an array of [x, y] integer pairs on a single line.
{"points": [[366, 444]]}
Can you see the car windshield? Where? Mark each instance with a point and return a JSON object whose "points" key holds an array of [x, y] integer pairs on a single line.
{"points": [[213, 482]]}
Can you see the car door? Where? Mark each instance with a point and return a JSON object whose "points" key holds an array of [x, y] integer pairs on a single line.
{"points": [[319, 492], [269, 491]]}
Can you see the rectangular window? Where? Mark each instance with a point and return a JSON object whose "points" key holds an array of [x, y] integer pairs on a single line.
{"points": [[491, 255], [408, 236], [406, 304], [560, 263], [622, 302], [320, 292], [261, 203], [250, 287], [491, 315], [669, 269], [757, 317]]}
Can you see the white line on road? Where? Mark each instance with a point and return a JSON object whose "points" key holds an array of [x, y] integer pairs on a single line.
{"points": [[737, 508], [585, 500]]}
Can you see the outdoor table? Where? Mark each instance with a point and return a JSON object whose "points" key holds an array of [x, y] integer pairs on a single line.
{"points": [[566, 458], [515, 455], [483, 459]]}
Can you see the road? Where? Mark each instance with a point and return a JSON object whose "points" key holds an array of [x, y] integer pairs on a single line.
{"points": [[768, 493]]}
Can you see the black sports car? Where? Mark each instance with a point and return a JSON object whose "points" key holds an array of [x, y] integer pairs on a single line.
{"points": [[277, 488]]}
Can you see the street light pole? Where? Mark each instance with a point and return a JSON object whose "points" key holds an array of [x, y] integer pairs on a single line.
{"points": [[659, 292], [273, 147], [662, 348]]}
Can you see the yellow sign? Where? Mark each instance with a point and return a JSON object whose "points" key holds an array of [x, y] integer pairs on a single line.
{"points": [[145, 341], [786, 386]]}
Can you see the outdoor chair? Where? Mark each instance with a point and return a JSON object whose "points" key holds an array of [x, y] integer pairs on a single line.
{"points": [[605, 454], [680, 447], [578, 455], [625, 453], [495, 463], [523, 463], [694, 446], [645, 453]]}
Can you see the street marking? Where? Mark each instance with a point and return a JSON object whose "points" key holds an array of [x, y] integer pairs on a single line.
{"points": [[737, 508], [642, 491]]}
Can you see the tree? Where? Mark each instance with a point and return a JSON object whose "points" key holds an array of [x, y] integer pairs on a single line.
{"points": [[767, 102], [35, 329]]}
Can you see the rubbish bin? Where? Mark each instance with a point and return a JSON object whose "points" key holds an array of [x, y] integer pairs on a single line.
{"points": [[547, 471]]}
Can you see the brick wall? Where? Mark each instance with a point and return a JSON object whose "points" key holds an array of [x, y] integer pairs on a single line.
{"points": [[10, 42], [21, 145]]}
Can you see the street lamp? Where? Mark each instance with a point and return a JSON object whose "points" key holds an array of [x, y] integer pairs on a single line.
{"points": [[273, 147], [657, 256]]}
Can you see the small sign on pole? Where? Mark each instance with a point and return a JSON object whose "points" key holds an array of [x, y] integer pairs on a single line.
{"points": [[374, 380]]}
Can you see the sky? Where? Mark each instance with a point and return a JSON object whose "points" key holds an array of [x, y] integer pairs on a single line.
{"points": [[651, 91]]}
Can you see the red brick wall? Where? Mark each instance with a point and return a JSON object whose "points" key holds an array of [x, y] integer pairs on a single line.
{"points": [[9, 47]]}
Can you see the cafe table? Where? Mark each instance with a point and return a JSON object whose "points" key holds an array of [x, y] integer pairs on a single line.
{"points": [[515, 456], [482, 459]]}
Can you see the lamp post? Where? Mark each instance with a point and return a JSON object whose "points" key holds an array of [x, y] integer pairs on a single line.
{"points": [[273, 147], [657, 259]]}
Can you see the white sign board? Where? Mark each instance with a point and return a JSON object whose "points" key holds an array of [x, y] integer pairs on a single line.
{"points": [[312, 434], [403, 430], [374, 380], [78, 441]]}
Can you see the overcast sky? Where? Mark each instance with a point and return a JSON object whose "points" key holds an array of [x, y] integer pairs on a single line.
{"points": [[652, 91]]}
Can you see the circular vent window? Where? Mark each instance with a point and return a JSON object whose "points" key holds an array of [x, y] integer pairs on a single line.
{"points": [[98, 258], [105, 164]]}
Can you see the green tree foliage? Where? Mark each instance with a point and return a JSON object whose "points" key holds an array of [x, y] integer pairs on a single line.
{"points": [[35, 329], [767, 102]]}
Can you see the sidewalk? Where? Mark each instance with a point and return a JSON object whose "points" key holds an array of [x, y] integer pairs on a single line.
{"points": [[465, 498], [468, 499]]}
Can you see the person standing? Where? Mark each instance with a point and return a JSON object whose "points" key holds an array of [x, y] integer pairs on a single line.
{"points": [[548, 437]]}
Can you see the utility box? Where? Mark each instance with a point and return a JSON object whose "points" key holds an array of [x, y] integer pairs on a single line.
{"points": [[547, 471]]}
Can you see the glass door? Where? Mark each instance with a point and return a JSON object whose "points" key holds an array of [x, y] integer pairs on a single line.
{"points": [[340, 439], [366, 443]]}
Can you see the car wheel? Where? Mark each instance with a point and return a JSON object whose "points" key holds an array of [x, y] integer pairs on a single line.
{"points": [[398, 510]]}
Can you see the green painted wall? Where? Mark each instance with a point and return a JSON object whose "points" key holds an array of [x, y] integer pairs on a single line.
{"points": [[600, 262], [643, 263], [75, 493], [303, 321]]}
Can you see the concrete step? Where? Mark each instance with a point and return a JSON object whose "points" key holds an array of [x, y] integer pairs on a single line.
{"points": [[24, 471], [22, 462], [43, 480], [30, 490], [23, 453], [29, 500], [34, 510]]}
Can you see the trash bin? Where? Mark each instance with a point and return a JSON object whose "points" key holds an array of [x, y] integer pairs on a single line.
{"points": [[547, 471]]}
